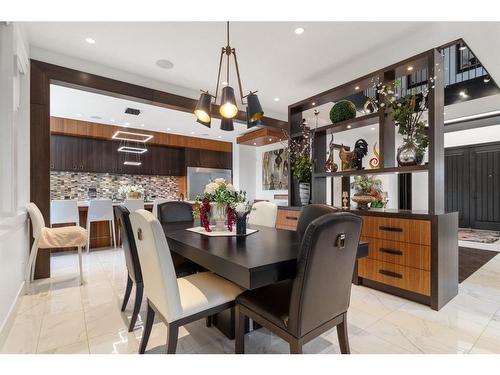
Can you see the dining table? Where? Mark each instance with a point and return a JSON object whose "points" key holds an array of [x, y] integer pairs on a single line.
{"points": [[252, 261]]}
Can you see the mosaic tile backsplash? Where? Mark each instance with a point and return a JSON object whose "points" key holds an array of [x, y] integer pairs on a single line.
{"points": [[75, 185]]}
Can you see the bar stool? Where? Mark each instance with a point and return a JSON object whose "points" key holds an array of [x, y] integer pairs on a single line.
{"points": [[48, 238], [156, 203], [64, 211], [134, 204], [100, 210]]}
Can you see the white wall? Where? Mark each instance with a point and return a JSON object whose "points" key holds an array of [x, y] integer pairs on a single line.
{"points": [[247, 157], [14, 164], [472, 136]]}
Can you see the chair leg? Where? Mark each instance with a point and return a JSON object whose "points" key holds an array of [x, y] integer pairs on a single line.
{"points": [[30, 265], [139, 289], [239, 331], [295, 347], [127, 293], [343, 337], [209, 321], [33, 264], [80, 266], [172, 335], [113, 229], [150, 317], [88, 236]]}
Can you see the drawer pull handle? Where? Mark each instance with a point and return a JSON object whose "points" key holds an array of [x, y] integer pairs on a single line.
{"points": [[390, 229], [391, 274], [390, 251], [292, 218]]}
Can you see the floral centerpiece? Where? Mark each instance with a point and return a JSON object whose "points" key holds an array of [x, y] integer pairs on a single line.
{"points": [[131, 191], [368, 190], [220, 199]]}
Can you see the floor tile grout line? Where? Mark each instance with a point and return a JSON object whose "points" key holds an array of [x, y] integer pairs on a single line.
{"points": [[485, 328]]}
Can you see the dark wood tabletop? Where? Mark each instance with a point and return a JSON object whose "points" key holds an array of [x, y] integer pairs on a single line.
{"points": [[259, 259]]}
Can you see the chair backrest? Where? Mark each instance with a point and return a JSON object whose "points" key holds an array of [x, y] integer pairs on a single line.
{"points": [[263, 213], [134, 204], [100, 210], [37, 221], [175, 212], [311, 212], [128, 243], [155, 205], [63, 211], [160, 282], [322, 286]]}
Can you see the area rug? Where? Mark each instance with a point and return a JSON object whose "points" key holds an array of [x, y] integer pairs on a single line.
{"points": [[476, 235], [470, 260]]}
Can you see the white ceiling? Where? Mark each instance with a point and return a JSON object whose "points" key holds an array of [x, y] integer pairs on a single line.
{"points": [[272, 58], [81, 105]]}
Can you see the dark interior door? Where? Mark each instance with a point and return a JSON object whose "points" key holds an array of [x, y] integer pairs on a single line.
{"points": [[456, 191], [485, 185]]}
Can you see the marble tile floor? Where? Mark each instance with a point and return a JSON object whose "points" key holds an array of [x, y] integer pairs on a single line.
{"points": [[62, 317]]}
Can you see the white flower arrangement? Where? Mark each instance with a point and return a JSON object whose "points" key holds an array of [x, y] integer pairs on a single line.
{"points": [[241, 208], [125, 190]]}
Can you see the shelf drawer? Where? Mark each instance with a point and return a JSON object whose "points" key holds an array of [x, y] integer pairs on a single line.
{"points": [[402, 253], [412, 279], [287, 219], [397, 229]]}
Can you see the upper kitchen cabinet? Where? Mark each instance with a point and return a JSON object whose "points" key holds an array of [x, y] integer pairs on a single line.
{"points": [[209, 159]]}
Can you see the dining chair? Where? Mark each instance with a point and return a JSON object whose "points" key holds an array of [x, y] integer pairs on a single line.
{"points": [[134, 274], [64, 211], [317, 299], [311, 212], [101, 210], [156, 203], [48, 238], [172, 213], [134, 204], [263, 213], [177, 301]]}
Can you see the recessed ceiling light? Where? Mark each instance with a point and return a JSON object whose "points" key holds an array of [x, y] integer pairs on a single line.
{"points": [[142, 125], [299, 30], [313, 103], [410, 68], [79, 114], [168, 128], [276, 99], [463, 94], [220, 136], [348, 126], [112, 120], [127, 123], [165, 64], [486, 79], [90, 40], [255, 144], [462, 47], [270, 139], [372, 128], [356, 88], [192, 132]]}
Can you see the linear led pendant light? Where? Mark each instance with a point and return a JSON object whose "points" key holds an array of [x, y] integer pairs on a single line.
{"points": [[228, 108]]}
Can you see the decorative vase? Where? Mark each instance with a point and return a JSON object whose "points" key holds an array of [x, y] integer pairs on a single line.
{"points": [[134, 195], [304, 193], [408, 154], [241, 224], [219, 215], [362, 200]]}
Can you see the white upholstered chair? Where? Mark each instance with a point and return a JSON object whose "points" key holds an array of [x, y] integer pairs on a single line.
{"points": [[48, 238], [64, 211], [101, 210], [134, 204], [156, 203], [263, 213], [177, 301]]}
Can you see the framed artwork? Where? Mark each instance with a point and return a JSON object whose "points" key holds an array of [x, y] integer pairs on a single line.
{"points": [[275, 170]]}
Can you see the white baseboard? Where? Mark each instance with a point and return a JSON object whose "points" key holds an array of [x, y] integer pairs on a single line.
{"points": [[9, 320]]}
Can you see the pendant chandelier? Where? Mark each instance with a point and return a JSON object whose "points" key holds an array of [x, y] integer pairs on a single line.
{"points": [[228, 108]]}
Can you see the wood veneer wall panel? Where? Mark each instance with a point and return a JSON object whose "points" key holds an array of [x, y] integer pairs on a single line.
{"points": [[77, 128]]}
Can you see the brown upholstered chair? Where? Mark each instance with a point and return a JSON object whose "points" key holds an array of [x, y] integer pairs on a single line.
{"points": [[311, 212], [317, 299]]}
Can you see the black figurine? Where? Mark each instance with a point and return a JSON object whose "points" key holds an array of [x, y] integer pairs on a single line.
{"points": [[359, 152]]}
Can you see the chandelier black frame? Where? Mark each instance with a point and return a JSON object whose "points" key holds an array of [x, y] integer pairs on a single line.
{"points": [[228, 109]]}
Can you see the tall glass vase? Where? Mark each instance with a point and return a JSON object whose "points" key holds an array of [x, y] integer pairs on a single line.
{"points": [[219, 216]]}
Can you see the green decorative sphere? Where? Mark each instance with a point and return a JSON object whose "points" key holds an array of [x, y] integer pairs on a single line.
{"points": [[343, 110]]}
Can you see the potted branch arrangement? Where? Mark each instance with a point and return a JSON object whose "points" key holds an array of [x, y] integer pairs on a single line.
{"points": [[368, 191], [407, 113], [219, 201]]}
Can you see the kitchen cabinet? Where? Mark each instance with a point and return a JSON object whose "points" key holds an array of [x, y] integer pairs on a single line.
{"points": [[75, 154]]}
